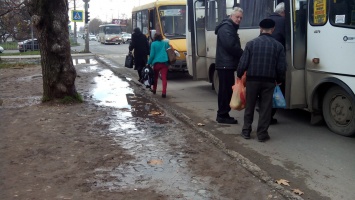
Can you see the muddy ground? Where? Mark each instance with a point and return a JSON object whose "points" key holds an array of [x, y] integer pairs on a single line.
{"points": [[106, 149]]}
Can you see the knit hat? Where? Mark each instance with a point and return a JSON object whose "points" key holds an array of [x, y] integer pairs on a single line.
{"points": [[267, 23]]}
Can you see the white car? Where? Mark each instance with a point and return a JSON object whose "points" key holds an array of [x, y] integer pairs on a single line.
{"points": [[92, 37], [126, 37], [1, 49]]}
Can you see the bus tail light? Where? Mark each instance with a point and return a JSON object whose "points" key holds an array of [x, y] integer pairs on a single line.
{"points": [[315, 60]]}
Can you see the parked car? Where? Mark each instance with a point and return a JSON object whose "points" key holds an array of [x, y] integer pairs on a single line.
{"points": [[1, 49], [92, 37], [126, 37], [27, 45]]}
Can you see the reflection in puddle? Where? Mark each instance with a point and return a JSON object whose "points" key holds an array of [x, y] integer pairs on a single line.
{"points": [[77, 61], [143, 129], [110, 90], [88, 68], [30, 78]]}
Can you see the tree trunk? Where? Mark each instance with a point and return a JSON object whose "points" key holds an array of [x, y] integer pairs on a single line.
{"points": [[50, 18]]}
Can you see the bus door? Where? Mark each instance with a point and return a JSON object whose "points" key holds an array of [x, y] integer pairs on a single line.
{"points": [[152, 21], [296, 52], [200, 71]]}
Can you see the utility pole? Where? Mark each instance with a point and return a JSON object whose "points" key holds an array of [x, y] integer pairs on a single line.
{"points": [[86, 50], [33, 43], [75, 36]]}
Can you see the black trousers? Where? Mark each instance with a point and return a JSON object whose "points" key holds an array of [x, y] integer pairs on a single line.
{"points": [[263, 91], [140, 73], [139, 64], [226, 81]]}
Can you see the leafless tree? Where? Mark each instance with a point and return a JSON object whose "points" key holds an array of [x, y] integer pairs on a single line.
{"points": [[94, 25], [14, 20]]}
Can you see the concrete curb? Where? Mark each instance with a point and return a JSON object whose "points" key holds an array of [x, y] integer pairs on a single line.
{"points": [[243, 161], [39, 56]]}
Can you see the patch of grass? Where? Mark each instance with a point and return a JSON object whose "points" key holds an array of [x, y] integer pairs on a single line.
{"points": [[69, 99], [9, 45], [45, 99], [72, 44], [23, 53], [15, 65]]}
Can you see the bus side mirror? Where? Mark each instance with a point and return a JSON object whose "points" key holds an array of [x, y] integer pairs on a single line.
{"points": [[152, 33]]}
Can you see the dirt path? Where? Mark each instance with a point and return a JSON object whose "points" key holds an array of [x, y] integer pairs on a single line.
{"points": [[56, 151]]}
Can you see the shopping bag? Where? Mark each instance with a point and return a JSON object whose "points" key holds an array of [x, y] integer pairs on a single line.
{"points": [[238, 99], [129, 60], [171, 55], [278, 100]]}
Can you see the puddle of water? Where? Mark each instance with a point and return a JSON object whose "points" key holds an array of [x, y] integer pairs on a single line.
{"points": [[110, 90], [29, 78], [88, 68], [77, 61], [144, 130]]}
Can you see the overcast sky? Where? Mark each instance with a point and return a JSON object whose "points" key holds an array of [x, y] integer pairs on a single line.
{"points": [[106, 10]]}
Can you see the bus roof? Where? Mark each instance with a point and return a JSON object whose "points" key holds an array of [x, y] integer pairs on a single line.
{"points": [[159, 3]]}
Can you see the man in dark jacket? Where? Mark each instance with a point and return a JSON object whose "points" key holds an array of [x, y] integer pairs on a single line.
{"points": [[279, 17], [265, 63], [140, 46], [279, 34], [228, 53]]}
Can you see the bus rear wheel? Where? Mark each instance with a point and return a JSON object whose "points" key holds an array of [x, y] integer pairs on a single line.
{"points": [[339, 111], [215, 81]]}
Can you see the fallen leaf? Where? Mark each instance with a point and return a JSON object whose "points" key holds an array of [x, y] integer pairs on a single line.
{"points": [[283, 182], [155, 162], [200, 124], [297, 191], [155, 113]]}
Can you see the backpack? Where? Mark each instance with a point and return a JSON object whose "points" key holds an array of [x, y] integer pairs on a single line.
{"points": [[148, 76]]}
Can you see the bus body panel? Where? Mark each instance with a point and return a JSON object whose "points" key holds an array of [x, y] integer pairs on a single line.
{"points": [[211, 46], [247, 35], [296, 95], [327, 50]]}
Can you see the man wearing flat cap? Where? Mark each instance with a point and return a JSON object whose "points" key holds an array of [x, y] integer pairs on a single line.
{"points": [[265, 63]]}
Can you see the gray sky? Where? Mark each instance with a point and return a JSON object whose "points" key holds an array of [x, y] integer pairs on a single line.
{"points": [[106, 10]]}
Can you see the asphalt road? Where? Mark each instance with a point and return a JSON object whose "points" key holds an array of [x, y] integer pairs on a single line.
{"points": [[314, 160]]}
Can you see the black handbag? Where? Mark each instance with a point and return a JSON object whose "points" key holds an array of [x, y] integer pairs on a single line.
{"points": [[129, 60]]}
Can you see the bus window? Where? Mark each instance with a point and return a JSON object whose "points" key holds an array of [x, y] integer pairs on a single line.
{"points": [[173, 20], [139, 20], [134, 20], [318, 12], [342, 13], [113, 30], [229, 6], [212, 15], [299, 33], [254, 11], [200, 28], [145, 22]]}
